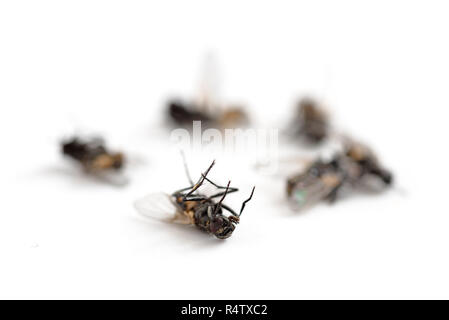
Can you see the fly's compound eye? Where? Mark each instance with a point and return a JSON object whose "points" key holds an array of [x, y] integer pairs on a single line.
{"points": [[216, 224]]}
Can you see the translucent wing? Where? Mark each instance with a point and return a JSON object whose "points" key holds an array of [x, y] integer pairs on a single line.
{"points": [[209, 84], [310, 190], [160, 206]]}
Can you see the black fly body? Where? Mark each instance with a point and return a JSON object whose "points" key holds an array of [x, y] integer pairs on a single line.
{"points": [[92, 154], [189, 206], [183, 115]]}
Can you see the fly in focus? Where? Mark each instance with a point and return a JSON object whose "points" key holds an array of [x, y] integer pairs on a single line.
{"points": [[356, 167], [189, 206]]}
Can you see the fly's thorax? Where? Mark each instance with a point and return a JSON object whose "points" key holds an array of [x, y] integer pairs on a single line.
{"points": [[211, 219], [203, 213], [188, 205]]}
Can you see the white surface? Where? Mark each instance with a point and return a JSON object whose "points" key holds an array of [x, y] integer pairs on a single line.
{"points": [[382, 68]]}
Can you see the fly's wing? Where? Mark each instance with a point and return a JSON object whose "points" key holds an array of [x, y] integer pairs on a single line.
{"points": [[207, 189], [310, 190], [160, 206], [209, 84]]}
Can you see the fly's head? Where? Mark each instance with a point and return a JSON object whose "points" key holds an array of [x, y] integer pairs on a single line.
{"points": [[221, 226], [74, 148], [118, 160]]}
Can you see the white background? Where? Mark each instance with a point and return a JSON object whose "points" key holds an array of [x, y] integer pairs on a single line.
{"points": [[381, 67]]}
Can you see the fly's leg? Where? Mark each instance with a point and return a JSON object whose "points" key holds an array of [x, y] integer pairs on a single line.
{"points": [[200, 181], [231, 189], [220, 194], [246, 201], [187, 195], [194, 187], [186, 168], [195, 198], [234, 214]]}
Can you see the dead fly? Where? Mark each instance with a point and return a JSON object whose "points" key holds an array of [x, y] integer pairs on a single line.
{"points": [[207, 106], [311, 122], [92, 154], [188, 206], [183, 114], [356, 167]]}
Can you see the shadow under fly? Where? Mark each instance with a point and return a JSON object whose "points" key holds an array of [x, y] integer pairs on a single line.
{"points": [[190, 207]]}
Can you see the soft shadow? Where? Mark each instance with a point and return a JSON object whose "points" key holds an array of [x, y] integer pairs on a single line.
{"points": [[79, 178], [178, 235], [352, 195]]}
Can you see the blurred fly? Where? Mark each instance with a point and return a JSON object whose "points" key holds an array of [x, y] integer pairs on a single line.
{"points": [[92, 154], [183, 114], [311, 122], [206, 108], [356, 166]]}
